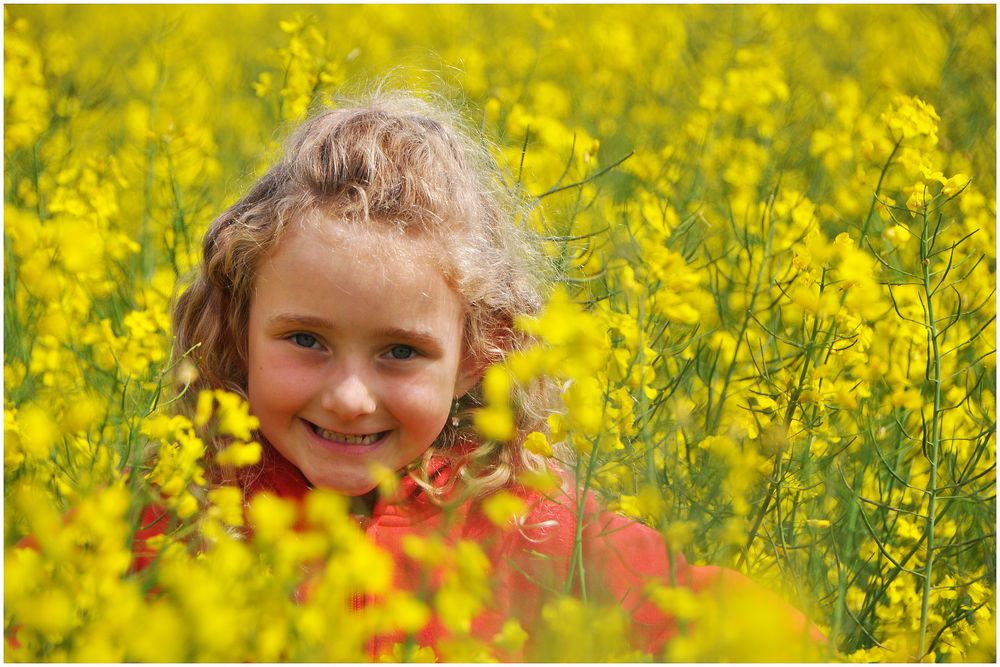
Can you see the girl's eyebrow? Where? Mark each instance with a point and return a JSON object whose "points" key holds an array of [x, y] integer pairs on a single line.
{"points": [[301, 320], [422, 339]]}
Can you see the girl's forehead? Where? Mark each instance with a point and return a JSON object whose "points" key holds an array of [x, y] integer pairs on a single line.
{"points": [[369, 244]]}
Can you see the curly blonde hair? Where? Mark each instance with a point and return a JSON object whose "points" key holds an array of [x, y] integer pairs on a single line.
{"points": [[393, 162]]}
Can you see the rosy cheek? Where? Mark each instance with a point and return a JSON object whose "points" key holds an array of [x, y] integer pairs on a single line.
{"points": [[424, 403], [422, 388], [276, 370], [290, 375]]}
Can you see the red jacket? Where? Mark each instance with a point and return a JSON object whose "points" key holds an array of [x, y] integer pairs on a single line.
{"points": [[621, 557]]}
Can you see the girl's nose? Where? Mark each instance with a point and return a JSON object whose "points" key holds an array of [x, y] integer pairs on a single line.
{"points": [[348, 396]]}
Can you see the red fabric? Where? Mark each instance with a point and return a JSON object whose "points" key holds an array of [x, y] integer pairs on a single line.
{"points": [[621, 556]]}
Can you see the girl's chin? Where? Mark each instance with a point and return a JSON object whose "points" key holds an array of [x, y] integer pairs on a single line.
{"points": [[353, 488]]}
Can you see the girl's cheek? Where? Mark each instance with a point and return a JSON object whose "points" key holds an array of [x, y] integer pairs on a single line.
{"points": [[424, 407], [292, 375], [427, 388], [274, 364]]}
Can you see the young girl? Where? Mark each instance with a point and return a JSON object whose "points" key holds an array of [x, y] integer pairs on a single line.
{"points": [[355, 297]]}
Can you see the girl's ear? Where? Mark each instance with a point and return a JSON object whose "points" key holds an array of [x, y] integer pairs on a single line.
{"points": [[470, 372]]}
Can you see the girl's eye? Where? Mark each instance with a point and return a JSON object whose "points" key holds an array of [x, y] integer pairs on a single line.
{"points": [[402, 352], [304, 340]]}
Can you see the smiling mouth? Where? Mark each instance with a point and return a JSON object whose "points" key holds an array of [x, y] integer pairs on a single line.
{"points": [[334, 436]]}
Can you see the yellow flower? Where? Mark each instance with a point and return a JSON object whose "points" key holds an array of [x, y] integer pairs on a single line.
{"points": [[955, 184], [456, 607], [165, 637], [496, 385], [897, 235], [679, 534], [585, 404], [37, 431], [52, 614], [234, 416], [386, 479], [681, 603], [495, 422], [557, 427], [406, 613], [502, 509], [239, 454], [648, 505], [545, 481], [271, 517], [911, 117], [227, 502], [537, 443], [511, 636], [918, 199], [426, 551], [263, 84], [203, 411], [406, 652], [884, 207]]}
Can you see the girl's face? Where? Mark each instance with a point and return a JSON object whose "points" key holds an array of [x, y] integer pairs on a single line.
{"points": [[354, 358]]}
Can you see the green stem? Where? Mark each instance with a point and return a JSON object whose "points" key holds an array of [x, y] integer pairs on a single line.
{"points": [[576, 560], [849, 548], [713, 425], [878, 188], [934, 441]]}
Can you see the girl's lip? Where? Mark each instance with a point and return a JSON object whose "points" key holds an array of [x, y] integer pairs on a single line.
{"points": [[340, 445]]}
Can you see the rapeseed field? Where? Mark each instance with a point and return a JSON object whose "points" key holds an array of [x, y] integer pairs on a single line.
{"points": [[774, 325]]}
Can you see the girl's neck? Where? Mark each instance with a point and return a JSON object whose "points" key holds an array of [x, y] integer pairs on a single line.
{"points": [[364, 505]]}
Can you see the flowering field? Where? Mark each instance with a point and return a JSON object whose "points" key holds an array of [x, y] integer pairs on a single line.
{"points": [[774, 328]]}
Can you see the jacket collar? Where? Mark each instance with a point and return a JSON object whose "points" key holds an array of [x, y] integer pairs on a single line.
{"points": [[411, 503]]}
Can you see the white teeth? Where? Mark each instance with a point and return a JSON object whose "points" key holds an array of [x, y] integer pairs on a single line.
{"points": [[349, 439]]}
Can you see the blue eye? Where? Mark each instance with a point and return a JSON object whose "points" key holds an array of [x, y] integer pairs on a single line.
{"points": [[304, 340], [402, 352]]}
